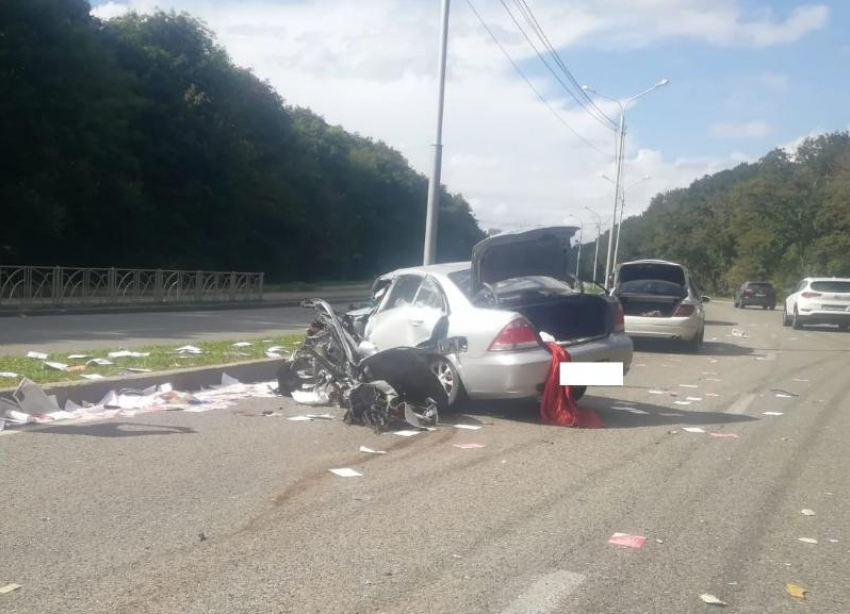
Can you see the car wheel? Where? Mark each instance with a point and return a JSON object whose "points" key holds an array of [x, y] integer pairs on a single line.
{"points": [[449, 379], [796, 323], [694, 344], [764, 307], [785, 320], [845, 327]]}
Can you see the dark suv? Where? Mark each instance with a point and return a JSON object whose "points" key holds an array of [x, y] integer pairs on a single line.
{"points": [[758, 293]]}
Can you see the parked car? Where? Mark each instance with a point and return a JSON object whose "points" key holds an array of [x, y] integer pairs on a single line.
{"points": [[514, 290], [660, 301], [818, 300], [758, 293]]}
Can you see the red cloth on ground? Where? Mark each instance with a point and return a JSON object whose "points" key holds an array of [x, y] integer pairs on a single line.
{"points": [[558, 406]]}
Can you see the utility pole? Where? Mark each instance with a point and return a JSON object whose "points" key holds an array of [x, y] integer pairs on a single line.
{"points": [[578, 258], [598, 236], [433, 210], [622, 208], [621, 133]]}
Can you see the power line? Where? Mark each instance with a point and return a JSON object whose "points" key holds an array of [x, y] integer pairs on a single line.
{"points": [[579, 99], [535, 24], [530, 84]]}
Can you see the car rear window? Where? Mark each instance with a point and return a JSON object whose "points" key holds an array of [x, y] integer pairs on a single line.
{"points": [[831, 286], [659, 272], [760, 286]]}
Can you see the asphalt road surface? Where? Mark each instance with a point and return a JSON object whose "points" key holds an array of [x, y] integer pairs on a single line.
{"points": [[68, 332], [230, 512]]}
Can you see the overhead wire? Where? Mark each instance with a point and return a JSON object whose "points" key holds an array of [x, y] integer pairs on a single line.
{"points": [[579, 98], [532, 20], [528, 82]]}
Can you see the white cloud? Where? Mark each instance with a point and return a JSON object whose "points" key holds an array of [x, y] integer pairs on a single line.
{"points": [[741, 130], [370, 67], [109, 10]]}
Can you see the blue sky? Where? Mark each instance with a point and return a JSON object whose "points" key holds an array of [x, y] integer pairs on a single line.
{"points": [[746, 76]]}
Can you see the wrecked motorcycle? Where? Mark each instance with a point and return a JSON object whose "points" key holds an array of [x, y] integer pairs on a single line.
{"points": [[382, 389]]}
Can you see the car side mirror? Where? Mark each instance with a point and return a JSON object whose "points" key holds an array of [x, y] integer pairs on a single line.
{"points": [[706, 299]]}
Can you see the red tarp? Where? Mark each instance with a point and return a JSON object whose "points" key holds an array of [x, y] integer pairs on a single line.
{"points": [[558, 406]]}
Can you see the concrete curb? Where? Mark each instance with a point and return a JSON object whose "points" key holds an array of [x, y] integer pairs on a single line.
{"points": [[188, 380]]}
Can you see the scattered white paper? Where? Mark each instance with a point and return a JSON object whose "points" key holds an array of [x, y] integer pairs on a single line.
{"points": [[682, 402], [300, 418], [242, 344], [320, 416], [189, 349], [693, 429], [270, 354], [808, 512], [406, 433], [32, 400], [227, 380], [309, 397], [371, 451], [345, 472], [128, 354], [38, 355], [468, 427], [712, 394], [693, 398], [771, 413], [100, 361], [92, 376], [9, 374], [688, 386], [656, 392], [77, 356], [797, 379], [468, 446], [807, 540], [58, 366], [780, 395], [711, 599]]}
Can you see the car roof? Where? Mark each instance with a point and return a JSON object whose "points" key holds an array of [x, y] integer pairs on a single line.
{"points": [[434, 269], [652, 261], [826, 279]]}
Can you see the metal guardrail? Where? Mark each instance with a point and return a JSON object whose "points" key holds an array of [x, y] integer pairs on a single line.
{"points": [[33, 286]]}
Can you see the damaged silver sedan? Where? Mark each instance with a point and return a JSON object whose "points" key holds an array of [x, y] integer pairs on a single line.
{"points": [[514, 295]]}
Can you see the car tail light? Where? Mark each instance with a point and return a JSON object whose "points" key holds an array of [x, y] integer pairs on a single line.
{"points": [[518, 335], [811, 294], [683, 311], [620, 320], [748, 292]]}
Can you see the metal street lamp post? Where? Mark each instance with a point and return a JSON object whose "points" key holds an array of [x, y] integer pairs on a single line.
{"points": [[433, 209], [622, 208], [580, 238], [621, 134], [598, 235]]}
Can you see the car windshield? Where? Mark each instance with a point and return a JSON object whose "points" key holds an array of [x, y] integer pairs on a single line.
{"points": [[761, 287], [831, 286]]}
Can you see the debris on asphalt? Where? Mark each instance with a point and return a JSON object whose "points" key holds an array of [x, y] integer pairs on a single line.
{"points": [[784, 393], [807, 540], [796, 591], [300, 418], [807, 512], [682, 402], [771, 413], [711, 599], [101, 362], [468, 446], [624, 540], [693, 429], [688, 386], [723, 435], [693, 398], [468, 427], [346, 472], [797, 379], [832, 541], [310, 397], [712, 394], [92, 376], [9, 588], [738, 332], [371, 451], [38, 355], [406, 433], [242, 344], [656, 392], [189, 349], [671, 414]]}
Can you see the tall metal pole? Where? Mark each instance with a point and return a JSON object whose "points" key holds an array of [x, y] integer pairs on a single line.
{"points": [[578, 258], [621, 132], [433, 210], [596, 251], [619, 227]]}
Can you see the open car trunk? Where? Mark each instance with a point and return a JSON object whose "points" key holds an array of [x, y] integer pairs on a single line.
{"points": [[650, 289], [570, 319]]}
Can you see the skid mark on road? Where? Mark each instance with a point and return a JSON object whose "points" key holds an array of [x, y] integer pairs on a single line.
{"points": [[741, 406], [546, 593]]}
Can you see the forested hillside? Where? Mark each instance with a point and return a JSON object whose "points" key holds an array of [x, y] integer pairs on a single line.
{"points": [[137, 142], [781, 218]]}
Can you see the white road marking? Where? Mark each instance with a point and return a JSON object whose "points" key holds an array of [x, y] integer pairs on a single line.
{"points": [[546, 593], [741, 405]]}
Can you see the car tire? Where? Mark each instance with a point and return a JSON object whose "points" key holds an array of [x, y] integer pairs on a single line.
{"points": [[786, 321], [764, 307], [844, 327], [694, 344], [449, 378], [796, 323]]}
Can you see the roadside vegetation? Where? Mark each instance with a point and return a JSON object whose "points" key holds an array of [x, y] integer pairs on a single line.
{"points": [[138, 143], [782, 218], [162, 358]]}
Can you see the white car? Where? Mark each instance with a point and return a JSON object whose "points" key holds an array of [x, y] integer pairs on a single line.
{"points": [[513, 293], [660, 301], [818, 300]]}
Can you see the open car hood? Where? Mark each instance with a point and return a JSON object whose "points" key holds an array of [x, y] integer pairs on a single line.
{"points": [[542, 251]]}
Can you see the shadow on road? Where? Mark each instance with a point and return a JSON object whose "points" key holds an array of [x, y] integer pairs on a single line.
{"points": [[115, 429], [656, 415], [720, 323]]}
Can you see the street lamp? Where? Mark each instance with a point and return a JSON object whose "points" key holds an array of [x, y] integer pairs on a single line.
{"points": [[622, 208], [598, 235], [621, 134], [580, 238]]}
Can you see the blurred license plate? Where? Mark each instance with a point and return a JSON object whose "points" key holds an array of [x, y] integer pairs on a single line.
{"points": [[759, 293]]}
